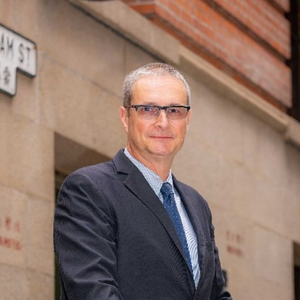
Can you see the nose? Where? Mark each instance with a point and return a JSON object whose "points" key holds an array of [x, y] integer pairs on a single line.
{"points": [[162, 119]]}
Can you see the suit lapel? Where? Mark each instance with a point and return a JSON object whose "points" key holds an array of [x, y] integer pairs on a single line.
{"points": [[194, 212], [138, 185]]}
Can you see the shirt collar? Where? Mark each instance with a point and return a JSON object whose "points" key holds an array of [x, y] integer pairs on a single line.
{"points": [[152, 178]]}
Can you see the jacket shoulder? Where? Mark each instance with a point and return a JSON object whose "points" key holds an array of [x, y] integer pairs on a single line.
{"points": [[188, 190], [102, 169], [109, 169]]}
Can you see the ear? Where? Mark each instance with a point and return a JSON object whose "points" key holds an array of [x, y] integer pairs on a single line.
{"points": [[124, 117]]}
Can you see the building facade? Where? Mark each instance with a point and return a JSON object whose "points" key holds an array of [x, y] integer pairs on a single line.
{"points": [[242, 150]]}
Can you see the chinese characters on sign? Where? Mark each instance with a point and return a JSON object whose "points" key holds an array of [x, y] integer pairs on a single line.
{"points": [[10, 230], [16, 53], [235, 243]]}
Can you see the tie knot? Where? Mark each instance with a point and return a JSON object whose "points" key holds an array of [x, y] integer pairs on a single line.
{"points": [[166, 189]]}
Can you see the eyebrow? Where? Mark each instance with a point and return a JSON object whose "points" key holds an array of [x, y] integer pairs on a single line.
{"points": [[156, 104]]}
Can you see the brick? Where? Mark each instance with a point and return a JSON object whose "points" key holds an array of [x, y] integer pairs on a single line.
{"points": [[284, 4], [273, 248], [264, 20], [60, 89], [55, 20], [18, 283], [146, 9], [19, 16], [207, 32], [13, 227], [39, 238], [25, 144]]}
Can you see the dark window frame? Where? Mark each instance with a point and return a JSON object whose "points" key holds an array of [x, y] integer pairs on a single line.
{"points": [[294, 63], [297, 282]]}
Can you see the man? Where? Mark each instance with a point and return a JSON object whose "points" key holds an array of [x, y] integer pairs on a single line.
{"points": [[128, 229]]}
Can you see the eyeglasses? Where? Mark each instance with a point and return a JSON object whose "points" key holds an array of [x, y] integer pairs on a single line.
{"points": [[173, 112]]}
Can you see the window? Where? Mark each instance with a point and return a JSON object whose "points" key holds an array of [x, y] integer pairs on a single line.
{"points": [[297, 271], [294, 62]]}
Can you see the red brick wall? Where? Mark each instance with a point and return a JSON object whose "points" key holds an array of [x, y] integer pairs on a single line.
{"points": [[249, 40], [284, 4], [264, 20]]}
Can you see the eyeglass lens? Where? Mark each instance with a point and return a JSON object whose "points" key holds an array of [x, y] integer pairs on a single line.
{"points": [[172, 112]]}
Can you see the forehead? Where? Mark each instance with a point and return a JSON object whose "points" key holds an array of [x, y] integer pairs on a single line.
{"points": [[154, 86], [158, 80]]}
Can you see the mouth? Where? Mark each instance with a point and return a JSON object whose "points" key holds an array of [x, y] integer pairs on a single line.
{"points": [[160, 137]]}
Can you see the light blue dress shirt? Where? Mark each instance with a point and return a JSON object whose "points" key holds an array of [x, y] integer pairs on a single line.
{"points": [[156, 183]]}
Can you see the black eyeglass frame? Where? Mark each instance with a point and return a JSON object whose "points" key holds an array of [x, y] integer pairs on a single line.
{"points": [[136, 107]]}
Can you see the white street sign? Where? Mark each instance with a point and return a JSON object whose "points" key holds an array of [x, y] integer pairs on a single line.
{"points": [[16, 53]]}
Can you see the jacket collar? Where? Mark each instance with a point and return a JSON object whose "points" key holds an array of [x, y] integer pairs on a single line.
{"points": [[137, 184]]}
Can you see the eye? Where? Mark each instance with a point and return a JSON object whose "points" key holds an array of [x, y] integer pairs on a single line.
{"points": [[148, 109], [173, 110]]}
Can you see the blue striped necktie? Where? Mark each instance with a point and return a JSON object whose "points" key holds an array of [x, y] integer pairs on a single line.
{"points": [[170, 206]]}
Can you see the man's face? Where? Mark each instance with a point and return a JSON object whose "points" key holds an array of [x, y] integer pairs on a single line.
{"points": [[159, 137]]}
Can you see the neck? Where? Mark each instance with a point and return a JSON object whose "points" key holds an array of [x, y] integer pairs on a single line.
{"points": [[158, 164]]}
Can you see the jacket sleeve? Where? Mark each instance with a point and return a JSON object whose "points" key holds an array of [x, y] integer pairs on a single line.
{"points": [[219, 291], [85, 241]]}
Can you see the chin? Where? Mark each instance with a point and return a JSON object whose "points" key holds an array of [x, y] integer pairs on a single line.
{"points": [[163, 152]]}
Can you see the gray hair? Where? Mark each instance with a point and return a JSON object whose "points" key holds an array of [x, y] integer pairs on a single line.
{"points": [[155, 69]]}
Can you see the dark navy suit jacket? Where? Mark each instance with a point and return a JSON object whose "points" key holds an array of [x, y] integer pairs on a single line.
{"points": [[114, 240]]}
